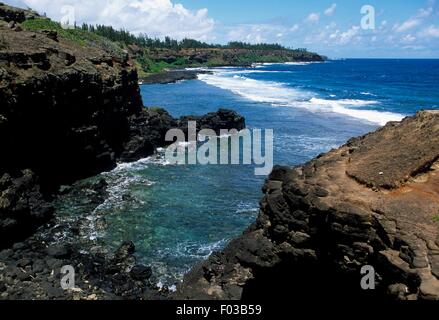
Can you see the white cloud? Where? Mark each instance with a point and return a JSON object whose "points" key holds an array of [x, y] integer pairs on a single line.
{"points": [[408, 38], [322, 35], [313, 17], [430, 32], [407, 25], [294, 28], [256, 33], [346, 37], [414, 21], [330, 11], [411, 47], [153, 17]]}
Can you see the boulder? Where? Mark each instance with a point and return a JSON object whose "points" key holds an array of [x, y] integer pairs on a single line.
{"points": [[141, 273], [58, 251], [22, 207]]}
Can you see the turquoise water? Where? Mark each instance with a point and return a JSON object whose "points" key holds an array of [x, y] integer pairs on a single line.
{"points": [[178, 215]]}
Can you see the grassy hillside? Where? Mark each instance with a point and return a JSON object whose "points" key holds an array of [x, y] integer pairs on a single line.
{"points": [[76, 35]]}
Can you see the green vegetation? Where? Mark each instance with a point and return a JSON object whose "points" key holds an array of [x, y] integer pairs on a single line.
{"points": [[147, 65], [76, 35], [152, 55], [254, 58], [436, 218], [3, 44], [145, 42]]}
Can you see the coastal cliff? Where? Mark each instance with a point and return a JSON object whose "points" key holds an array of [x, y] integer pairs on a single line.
{"points": [[64, 115], [372, 202]]}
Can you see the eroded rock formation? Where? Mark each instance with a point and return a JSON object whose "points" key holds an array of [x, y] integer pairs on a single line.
{"points": [[374, 201]]}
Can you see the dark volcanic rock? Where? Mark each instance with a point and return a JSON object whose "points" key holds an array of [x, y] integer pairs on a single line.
{"points": [[8, 14], [124, 251], [37, 274], [320, 223], [172, 76], [148, 129], [222, 119], [62, 118], [69, 117], [58, 251], [147, 132], [22, 207], [140, 272]]}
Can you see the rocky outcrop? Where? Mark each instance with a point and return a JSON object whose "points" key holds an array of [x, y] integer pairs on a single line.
{"points": [[222, 119], [8, 14], [148, 129], [22, 206], [372, 202], [65, 108]]}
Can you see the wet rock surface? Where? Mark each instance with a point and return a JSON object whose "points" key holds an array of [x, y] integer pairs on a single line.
{"points": [[374, 201], [33, 271]]}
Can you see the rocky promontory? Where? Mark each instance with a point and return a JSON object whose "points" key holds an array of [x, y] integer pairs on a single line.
{"points": [[171, 76], [373, 202]]}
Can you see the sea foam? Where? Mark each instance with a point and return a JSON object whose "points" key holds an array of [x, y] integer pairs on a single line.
{"points": [[255, 90], [279, 94]]}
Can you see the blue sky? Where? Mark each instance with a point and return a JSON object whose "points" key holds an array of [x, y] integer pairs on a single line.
{"points": [[402, 29]]}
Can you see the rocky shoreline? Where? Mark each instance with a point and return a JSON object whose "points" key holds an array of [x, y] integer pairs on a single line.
{"points": [[69, 112], [31, 269], [372, 202], [172, 76]]}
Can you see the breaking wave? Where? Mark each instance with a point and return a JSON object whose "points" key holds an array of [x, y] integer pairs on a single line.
{"points": [[278, 94]]}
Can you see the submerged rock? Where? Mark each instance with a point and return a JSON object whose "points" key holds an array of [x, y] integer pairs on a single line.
{"points": [[372, 202]]}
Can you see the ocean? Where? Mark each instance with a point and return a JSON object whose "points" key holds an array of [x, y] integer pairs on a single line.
{"points": [[178, 215]]}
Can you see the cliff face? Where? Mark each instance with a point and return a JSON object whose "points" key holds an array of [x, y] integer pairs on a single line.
{"points": [[374, 201], [64, 115], [64, 107]]}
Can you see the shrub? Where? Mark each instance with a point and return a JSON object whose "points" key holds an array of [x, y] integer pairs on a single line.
{"points": [[3, 43]]}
